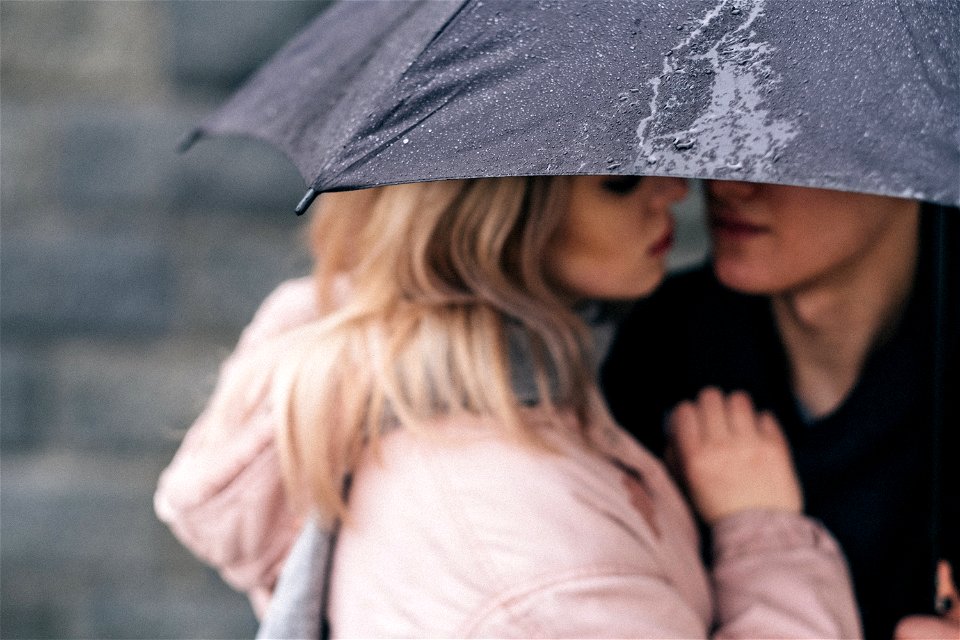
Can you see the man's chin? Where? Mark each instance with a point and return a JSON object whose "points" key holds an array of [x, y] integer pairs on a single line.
{"points": [[734, 274]]}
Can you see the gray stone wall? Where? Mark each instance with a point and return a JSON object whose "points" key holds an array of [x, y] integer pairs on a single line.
{"points": [[126, 274]]}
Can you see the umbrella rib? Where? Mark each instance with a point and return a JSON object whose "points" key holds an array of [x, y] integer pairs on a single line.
{"points": [[920, 55], [320, 183], [319, 186]]}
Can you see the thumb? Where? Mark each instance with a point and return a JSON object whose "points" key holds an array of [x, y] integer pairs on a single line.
{"points": [[946, 626], [948, 601]]}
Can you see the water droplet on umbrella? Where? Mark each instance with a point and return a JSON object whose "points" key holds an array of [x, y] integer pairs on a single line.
{"points": [[735, 167], [652, 159], [735, 11], [682, 144], [623, 97], [406, 140]]}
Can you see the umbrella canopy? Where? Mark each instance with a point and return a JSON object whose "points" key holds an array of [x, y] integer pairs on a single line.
{"points": [[856, 96]]}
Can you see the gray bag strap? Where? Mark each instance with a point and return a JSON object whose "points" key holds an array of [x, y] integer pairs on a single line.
{"points": [[298, 608]]}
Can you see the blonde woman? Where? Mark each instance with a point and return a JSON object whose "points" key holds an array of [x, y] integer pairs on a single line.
{"points": [[444, 358]]}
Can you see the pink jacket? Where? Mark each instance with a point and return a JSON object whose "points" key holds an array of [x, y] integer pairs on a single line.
{"points": [[467, 534]]}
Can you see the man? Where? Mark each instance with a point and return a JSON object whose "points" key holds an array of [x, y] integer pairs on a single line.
{"points": [[819, 305]]}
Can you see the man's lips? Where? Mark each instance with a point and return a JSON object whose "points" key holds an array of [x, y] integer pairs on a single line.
{"points": [[729, 223]]}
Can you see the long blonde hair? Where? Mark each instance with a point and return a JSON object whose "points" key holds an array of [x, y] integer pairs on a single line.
{"points": [[417, 285]]}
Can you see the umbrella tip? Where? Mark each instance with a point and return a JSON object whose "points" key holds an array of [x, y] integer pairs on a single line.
{"points": [[306, 201], [189, 140]]}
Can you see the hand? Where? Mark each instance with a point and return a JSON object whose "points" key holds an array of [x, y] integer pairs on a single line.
{"points": [[733, 459], [946, 625]]}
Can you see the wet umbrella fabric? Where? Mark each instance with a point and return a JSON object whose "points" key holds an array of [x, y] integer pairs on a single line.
{"points": [[859, 96]]}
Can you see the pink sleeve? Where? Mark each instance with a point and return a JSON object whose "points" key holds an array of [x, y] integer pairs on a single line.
{"points": [[777, 575], [781, 575], [604, 603], [223, 495]]}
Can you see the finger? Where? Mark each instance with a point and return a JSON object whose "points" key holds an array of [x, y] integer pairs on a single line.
{"points": [[947, 599], [713, 415], [768, 427], [685, 427], [741, 417]]}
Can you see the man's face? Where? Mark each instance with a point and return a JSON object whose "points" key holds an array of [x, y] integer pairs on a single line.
{"points": [[774, 239]]}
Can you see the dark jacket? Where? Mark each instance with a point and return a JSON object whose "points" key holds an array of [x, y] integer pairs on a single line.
{"points": [[865, 468]]}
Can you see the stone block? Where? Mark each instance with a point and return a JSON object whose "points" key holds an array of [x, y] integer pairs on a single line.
{"points": [[111, 159], [29, 156], [17, 386], [121, 398], [84, 284], [92, 159], [247, 178], [227, 269], [60, 48], [220, 43], [111, 162], [84, 556]]}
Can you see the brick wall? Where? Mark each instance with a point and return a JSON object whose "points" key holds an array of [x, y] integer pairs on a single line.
{"points": [[126, 274]]}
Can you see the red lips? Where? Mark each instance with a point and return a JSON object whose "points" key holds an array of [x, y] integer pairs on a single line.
{"points": [[664, 244]]}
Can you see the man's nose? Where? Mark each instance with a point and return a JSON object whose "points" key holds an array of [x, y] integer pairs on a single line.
{"points": [[732, 189]]}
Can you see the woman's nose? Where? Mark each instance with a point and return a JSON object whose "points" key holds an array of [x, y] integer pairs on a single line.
{"points": [[732, 189]]}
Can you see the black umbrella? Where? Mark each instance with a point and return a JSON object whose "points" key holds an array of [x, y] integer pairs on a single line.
{"points": [[859, 96], [855, 96]]}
